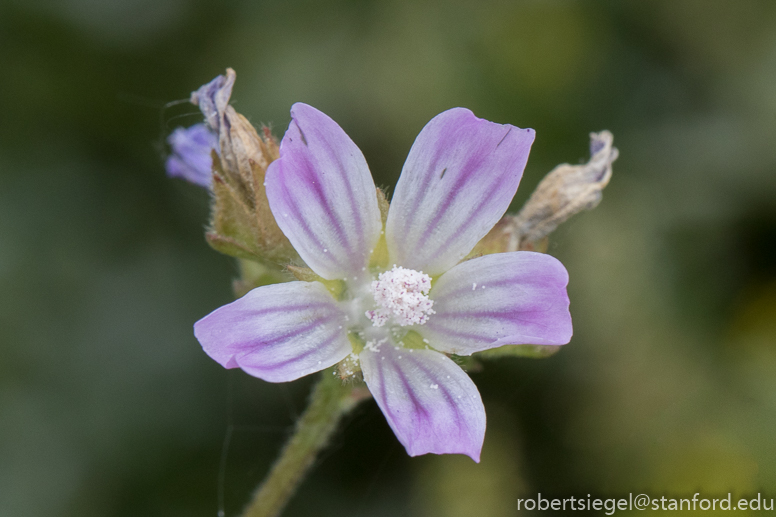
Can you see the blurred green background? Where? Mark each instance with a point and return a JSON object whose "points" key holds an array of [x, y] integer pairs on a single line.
{"points": [[108, 406]]}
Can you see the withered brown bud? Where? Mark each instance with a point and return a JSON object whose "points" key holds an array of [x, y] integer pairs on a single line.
{"points": [[565, 191], [242, 224]]}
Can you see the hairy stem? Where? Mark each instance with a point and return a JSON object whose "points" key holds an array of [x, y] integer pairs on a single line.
{"points": [[329, 402]]}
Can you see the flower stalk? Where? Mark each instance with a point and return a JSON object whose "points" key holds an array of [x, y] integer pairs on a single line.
{"points": [[331, 399]]}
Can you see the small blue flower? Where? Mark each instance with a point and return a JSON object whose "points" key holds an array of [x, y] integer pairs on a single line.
{"points": [[191, 157]]}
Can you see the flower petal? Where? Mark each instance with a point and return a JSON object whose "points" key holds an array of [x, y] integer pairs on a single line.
{"points": [[191, 157], [429, 402], [322, 195], [459, 178], [277, 332], [501, 299]]}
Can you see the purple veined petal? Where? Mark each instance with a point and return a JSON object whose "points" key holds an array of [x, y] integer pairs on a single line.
{"points": [[277, 332], [191, 157], [429, 402], [459, 178], [501, 299], [322, 195]]}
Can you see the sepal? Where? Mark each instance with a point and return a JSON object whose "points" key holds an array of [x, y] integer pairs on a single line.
{"points": [[305, 274], [530, 351]]}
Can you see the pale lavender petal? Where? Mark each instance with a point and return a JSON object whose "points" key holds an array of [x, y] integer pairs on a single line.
{"points": [[459, 178], [429, 402], [277, 332], [322, 195], [191, 157], [501, 299]]}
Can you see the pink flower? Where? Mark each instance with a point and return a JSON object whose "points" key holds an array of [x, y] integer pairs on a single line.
{"points": [[397, 321]]}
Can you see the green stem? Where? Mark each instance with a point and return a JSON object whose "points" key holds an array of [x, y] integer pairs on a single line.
{"points": [[329, 402]]}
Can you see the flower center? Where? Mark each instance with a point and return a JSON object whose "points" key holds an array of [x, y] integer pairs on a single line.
{"points": [[401, 295]]}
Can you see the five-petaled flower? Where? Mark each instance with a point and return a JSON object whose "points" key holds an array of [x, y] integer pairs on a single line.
{"points": [[397, 317]]}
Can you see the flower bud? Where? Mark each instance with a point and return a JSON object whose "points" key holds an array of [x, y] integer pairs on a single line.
{"points": [[242, 224]]}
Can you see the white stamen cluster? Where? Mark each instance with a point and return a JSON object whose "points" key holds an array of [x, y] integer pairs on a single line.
{"points": [[401, 294]]}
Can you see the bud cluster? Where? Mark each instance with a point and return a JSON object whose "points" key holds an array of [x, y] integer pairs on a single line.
{"points": [[241, 224]]}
